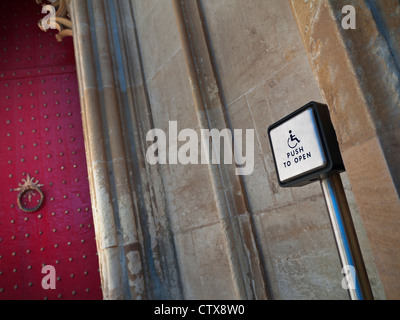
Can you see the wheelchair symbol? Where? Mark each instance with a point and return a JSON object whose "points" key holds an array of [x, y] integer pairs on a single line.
{"points": [[292, 141]]}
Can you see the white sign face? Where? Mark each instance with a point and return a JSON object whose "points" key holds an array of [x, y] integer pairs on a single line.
{"points": [[297, 146]]}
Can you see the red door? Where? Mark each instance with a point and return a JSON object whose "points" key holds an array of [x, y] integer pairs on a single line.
{"points": [[41, 138]]}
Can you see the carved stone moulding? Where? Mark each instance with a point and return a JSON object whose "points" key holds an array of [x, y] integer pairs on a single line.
{"points": [[58, 18]]}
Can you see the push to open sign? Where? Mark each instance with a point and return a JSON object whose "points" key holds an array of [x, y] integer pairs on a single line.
{"points": [[304, 146]]}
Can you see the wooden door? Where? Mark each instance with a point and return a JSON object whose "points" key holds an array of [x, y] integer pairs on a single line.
{"points": [[41, 138]]}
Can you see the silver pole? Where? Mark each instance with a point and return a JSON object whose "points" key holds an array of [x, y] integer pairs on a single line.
{"points": [[346, 238]]}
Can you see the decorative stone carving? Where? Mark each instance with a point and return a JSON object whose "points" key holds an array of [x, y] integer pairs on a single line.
{"points": [[62, 18]]}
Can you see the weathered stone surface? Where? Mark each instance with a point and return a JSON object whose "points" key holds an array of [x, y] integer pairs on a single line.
{"points": [[265, 75], [198, 231], [155, 22], [358, 75], [299, 240]]}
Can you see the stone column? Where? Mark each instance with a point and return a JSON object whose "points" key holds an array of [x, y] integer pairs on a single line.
{"points": [[358, 71], [127, 199]]}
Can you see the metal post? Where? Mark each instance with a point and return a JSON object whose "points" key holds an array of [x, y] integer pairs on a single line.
{"points": [[345, 236]]}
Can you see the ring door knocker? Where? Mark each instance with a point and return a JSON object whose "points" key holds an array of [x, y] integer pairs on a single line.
{"points": [[29, 187]]}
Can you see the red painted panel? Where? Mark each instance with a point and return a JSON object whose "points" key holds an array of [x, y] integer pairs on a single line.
{"points": [[41, 135]]}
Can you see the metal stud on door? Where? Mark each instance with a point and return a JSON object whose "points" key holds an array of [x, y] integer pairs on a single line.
{"points": [[45, 208]]}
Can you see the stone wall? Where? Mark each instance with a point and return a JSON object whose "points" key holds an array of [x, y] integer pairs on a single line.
{"points": [[199, 231], [261, 74], [358, 73]]}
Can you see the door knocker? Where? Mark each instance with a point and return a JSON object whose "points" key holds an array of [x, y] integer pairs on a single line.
{"points": [[28, 189]]}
